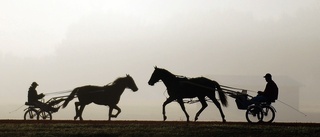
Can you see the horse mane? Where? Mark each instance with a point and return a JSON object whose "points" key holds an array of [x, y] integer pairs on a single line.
{"points": [[177, 76], [115, 82], [166, 72]]}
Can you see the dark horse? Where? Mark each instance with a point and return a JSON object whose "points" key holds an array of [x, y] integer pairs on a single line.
{"points": [[108, 95], [180, 88]]}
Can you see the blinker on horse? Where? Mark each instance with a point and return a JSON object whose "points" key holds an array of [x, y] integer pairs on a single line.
{"points": [[108, 95], [179, 88]]}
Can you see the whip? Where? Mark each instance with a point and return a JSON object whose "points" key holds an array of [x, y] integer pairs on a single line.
{"points": [[16, 109], [293, 108]]}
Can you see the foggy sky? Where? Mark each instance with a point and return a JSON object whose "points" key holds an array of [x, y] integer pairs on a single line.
{"points": [[63, 45]]}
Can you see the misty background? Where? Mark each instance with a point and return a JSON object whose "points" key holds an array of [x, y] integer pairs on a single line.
{"points": [[66, 44]]}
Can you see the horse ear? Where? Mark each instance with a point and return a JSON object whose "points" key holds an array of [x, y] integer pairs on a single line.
{"points": [[127, 75], [155, 67]]}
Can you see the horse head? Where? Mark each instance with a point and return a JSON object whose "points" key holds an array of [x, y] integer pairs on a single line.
{"points": [[130, 83], [155, 77]]}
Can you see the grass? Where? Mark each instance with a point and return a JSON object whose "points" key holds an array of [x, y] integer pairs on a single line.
{"points": [[157, 129]]}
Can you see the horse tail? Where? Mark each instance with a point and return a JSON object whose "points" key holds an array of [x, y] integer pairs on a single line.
{"points": [[70, 97], [222, 95]]}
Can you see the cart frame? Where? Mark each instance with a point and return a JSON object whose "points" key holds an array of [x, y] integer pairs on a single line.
{"points": [[38, 112]]}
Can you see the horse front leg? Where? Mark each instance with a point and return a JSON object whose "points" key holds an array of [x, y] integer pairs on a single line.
{"points": [[118, 111], [169, 100], [180, 101], [110, 112]]}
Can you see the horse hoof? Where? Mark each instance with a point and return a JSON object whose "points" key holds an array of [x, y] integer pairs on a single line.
{"points": [[224, 121], [164, 118], [195, 119]]}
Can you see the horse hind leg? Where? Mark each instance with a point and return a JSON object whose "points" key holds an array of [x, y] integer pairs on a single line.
{"points": [[76, 104], [80, 111], [180, 101], [215, 101], [204, 105]]}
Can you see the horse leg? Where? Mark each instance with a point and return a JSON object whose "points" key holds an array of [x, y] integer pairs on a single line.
{"points": [[180, 101], [80, 111], [110, 112], [215, 101], [169, 100], [77, 110], [204, 105], [119, 111]]}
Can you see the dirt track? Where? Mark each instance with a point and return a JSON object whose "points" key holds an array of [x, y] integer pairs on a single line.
{"points": [[146, 122], [92, 128]]}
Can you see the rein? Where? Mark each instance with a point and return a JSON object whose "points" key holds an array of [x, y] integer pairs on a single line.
{"points": [[228, 88], [58, 92], [198, 85]]}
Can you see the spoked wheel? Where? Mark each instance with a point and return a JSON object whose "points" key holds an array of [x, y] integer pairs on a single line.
{"points": [[31, 114], [268, 114], [44, 115], [254, 114]]}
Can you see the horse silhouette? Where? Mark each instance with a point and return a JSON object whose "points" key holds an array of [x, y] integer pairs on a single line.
{"points": [[180, 87], [108, 95]]}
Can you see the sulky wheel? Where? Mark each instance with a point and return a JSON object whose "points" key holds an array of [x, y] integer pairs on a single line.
{"points": [[44, 115], [254, 114], [31, 114], [268, 114]]}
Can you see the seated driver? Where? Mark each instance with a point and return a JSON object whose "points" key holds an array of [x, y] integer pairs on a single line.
{"points": [[33, 98], [270, 94]]}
